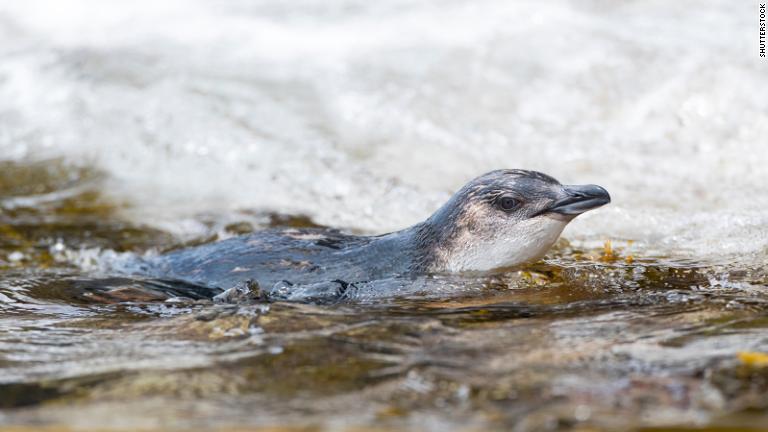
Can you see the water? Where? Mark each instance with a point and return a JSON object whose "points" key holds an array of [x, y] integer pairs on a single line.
{"points": [[143, 127]]}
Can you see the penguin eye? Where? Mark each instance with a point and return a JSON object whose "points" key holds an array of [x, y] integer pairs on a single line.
{"points": [[508, 203]]}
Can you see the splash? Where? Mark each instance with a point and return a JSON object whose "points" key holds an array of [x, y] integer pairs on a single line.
{"points": [[367, 116]]}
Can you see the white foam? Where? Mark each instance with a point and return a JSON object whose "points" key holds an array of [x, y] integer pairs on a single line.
{"points": [[367, 115]]}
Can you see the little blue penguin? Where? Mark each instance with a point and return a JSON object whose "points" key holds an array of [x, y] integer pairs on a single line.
{"points": [[500, 220]]}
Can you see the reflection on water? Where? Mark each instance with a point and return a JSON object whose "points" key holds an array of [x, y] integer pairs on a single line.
{"points": [[591, 337]]}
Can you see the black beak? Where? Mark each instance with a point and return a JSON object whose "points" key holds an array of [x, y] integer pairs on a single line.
{"points": [[580, 198]]}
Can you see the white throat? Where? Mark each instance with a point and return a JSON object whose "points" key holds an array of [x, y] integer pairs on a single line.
{"points": [[524, 242]]}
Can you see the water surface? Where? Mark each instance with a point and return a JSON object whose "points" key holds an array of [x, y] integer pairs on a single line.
{"points": [[140, 127], [594, 337]]}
